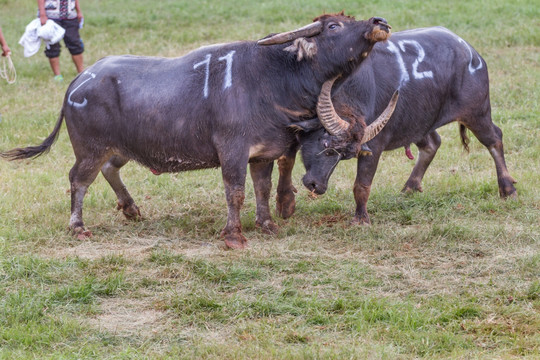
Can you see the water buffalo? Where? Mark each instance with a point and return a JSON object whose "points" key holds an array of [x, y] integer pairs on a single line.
{"points": [[224, 105], [441, 79]]}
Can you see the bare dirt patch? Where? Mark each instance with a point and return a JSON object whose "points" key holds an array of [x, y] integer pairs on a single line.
{"points": [[132, 248], [128, 317]]}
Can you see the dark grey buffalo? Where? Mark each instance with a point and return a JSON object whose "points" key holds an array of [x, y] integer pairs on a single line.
{"points": [[441, 79], [224, 105]]}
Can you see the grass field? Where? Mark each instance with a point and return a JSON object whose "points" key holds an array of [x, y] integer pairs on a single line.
{"points": [[450, 273]]}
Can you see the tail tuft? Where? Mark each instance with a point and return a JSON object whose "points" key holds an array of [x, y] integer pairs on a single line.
{"points": [[25, 153], [34, 151]]}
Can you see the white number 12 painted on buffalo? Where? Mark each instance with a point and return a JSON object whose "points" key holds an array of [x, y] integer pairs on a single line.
{"points": [[419, 58], [227, 81]]}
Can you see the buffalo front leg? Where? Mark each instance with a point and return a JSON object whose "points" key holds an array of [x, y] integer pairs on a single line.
{"points": [[427, 148], [234, 178], [367, 165], [111, 172], [285, 198], [261, 173]]}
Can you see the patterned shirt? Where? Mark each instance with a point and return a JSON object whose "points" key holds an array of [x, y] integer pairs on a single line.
{"points": [[60, 9]]}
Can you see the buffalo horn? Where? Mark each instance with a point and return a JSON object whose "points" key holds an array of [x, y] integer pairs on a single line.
{"points": [[328, 116], [375, 127], [305, 31]]}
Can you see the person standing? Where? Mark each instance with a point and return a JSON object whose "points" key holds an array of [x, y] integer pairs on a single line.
{"points": [[67, 14], [3, 43], [5, 50]]}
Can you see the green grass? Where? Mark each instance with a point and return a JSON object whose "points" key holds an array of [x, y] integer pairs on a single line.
{"points": [[450, 273]]}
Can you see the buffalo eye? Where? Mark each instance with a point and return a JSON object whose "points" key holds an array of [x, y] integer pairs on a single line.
{"points": [[333, 26], [325, 143]]}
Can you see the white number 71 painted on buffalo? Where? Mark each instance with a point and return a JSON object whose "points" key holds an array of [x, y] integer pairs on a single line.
{"points": [[227, 81]]}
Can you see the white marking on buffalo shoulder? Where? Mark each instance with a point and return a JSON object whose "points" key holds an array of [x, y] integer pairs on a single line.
{"points": [[206, 62], [404, 74], [419, 59], [227, 81], [228, 71]]}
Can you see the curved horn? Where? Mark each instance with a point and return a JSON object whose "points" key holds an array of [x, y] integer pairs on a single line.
{"points": [[328, 116], [305, 31], [375, 127]]}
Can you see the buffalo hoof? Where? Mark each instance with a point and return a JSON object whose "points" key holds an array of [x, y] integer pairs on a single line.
{"points": [[508, 192], [131, 212], [511, 196], [361, 221], [81, 233], [235, 241], [268, 227], [286, 204], [411, 189]]}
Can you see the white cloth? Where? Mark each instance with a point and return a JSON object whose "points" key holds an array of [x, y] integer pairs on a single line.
{"points": [[30, 39], [51, 33]]}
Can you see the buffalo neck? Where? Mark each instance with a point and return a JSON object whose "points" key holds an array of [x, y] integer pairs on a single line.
{"points": [[294, 85]]}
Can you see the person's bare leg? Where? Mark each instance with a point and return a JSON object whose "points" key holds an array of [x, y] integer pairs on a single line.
{"points": [[55, 65], [78, 61]]}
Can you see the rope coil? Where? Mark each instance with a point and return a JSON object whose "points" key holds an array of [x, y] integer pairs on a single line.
{"points": [[7, 69]]}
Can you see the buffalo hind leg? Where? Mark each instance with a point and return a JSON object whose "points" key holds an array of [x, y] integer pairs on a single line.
{"points": [[285, 198], [111, 172], [490, 136], [261, 173], [81, 175], [367, 165], [427, 148]]}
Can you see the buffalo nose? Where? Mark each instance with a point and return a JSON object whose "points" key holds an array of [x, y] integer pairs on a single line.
{"points": [[314, 186], [378, 20]]}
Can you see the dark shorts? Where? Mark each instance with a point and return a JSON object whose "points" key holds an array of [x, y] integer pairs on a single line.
{"points": [[72, 39]]}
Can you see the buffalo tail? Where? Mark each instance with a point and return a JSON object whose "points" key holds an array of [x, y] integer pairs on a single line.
{"points": [[35, 151]]}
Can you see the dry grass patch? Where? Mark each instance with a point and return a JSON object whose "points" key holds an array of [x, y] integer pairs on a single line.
{"points": [[94, 248], [128, 317]]}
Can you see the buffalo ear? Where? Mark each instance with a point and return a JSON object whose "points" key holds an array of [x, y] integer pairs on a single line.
{"points": [[306, 125], [302, 48]]}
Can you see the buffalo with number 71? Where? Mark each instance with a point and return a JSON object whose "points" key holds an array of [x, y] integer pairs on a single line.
{"points": [[440, 78], [224, 105]]}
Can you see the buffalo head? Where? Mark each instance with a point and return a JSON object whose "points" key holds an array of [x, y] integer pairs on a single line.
{"points": [[339, 139], [335, 42]]}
